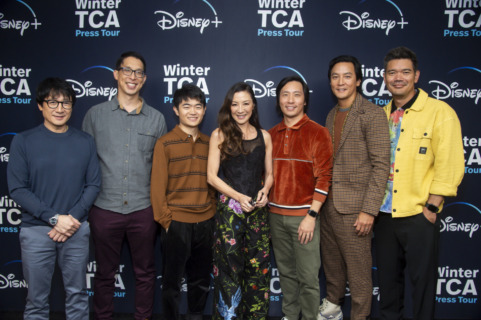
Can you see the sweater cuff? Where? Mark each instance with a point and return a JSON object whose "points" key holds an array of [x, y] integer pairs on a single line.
{"points": [[320, 195]]}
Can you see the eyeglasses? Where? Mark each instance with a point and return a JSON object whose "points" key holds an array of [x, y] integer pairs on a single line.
{"points": [[128, 72], [53, 104]]}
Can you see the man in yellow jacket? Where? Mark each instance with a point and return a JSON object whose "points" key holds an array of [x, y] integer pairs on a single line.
{"points": [[427, 164]]}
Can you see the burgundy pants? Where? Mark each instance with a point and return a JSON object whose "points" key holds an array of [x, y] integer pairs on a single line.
{"points": [[109, 229]]}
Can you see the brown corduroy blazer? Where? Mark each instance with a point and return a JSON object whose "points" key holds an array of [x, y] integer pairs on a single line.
{"points": [[362, 160]]}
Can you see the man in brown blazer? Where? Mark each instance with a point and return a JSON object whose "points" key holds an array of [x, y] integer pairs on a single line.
{"points": [[360, 137]]}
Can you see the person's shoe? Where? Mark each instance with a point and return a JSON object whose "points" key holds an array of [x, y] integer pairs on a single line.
{"points": [[284, 318], [329, 311]]}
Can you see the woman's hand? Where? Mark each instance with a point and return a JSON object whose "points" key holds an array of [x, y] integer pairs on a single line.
{"points": [[262, 198], [245, 203]]}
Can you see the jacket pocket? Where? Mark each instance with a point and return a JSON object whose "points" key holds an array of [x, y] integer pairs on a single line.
{"points": [[422, 146]]}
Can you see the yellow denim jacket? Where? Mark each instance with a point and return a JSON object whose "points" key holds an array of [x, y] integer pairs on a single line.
{"points": [[429, 155]]}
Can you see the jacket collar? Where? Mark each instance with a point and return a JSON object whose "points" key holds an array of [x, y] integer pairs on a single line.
{"points": [[305, 119]]}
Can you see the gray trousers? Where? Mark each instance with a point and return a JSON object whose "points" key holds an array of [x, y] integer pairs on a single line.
{"points": [[298, 266], [39, 254]]}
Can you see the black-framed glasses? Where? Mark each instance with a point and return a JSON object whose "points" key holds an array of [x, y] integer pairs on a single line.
{"points": [[128, 72], [53, 104]]}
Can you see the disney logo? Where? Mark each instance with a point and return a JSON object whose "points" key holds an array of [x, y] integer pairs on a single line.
{"points": [[169, 21], [10, 282], [87, 90], [447, 225], [21, 25], [355, 21], [3, 149], [261, 90], [444, 91]]}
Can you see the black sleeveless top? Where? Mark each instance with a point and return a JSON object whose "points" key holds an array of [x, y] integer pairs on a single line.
{"points": [[244, 171]]}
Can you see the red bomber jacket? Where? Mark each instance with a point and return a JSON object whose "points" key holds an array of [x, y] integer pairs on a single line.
{"points": [[302, 156]]}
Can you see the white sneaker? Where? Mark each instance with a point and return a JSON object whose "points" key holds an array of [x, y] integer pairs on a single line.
{"points": [[329, 311], [284, 318]]}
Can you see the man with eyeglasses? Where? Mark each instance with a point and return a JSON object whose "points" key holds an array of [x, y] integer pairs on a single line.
{"points": [[125, 130], [54, 175]]}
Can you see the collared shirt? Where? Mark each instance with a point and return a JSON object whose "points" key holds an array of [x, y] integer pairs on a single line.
{"points": [[302, 165], [125, 143], [179, 188]]}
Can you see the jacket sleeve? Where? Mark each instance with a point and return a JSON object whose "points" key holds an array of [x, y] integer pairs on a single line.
{"points": [[18, 179], [322, 164], [448, 153], [93, 179], [158, 186], [376, 133]]}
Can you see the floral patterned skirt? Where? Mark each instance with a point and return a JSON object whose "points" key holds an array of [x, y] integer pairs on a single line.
{"points": [[241, 262]]}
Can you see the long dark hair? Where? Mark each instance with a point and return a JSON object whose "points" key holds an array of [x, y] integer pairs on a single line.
{"points": [[232, 144]]}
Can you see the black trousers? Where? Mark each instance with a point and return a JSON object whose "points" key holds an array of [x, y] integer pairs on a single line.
{"points": [[187, 250], [412, 242]]}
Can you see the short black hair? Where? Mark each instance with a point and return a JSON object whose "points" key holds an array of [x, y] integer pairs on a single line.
{"points": [[401, 53], [281, 85], [187, 91], [127, 54], [54, 87], [347, 58]]}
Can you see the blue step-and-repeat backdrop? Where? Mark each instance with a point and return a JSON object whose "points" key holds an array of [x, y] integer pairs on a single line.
{"points": [[215, 43]]}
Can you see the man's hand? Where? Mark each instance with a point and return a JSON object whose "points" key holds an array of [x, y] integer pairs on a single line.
{"points": [[306, 228], [67, 225], [431, 216], [57, 236], [364, 224]]}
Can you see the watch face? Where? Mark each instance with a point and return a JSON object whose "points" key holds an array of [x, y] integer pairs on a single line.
{"points": [[312, 213], [53, 221]]}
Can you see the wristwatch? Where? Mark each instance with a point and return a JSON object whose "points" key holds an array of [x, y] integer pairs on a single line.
{"points": [[312, 213], [53, 220], [432, 207]]}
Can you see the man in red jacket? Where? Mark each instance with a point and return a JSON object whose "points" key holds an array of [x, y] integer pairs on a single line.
{"points": [[302, 154]]}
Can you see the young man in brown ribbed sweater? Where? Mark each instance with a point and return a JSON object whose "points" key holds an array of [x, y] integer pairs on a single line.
{"points": [[184, 206]]}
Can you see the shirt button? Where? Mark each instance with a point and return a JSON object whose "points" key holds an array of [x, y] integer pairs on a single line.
{"points": [[395, 191], [128, 129], [126, 202], [397, 170], [398, 149], [402, 130], [193, 157], [125, 194], [393, 210], [425, 134]]}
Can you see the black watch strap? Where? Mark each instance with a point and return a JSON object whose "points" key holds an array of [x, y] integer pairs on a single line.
{"points": [[432, 207], [312, 213]]}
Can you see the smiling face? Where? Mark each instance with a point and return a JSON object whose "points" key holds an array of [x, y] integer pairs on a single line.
{"points": [[56, 119], [400, 79], [344, 83], [130, 85], [190, 113], [241, 107], [292, 101]]}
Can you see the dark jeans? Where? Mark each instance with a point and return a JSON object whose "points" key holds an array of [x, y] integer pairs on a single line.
{"points": [[411, 241], [109, 229], [187, 250]]}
